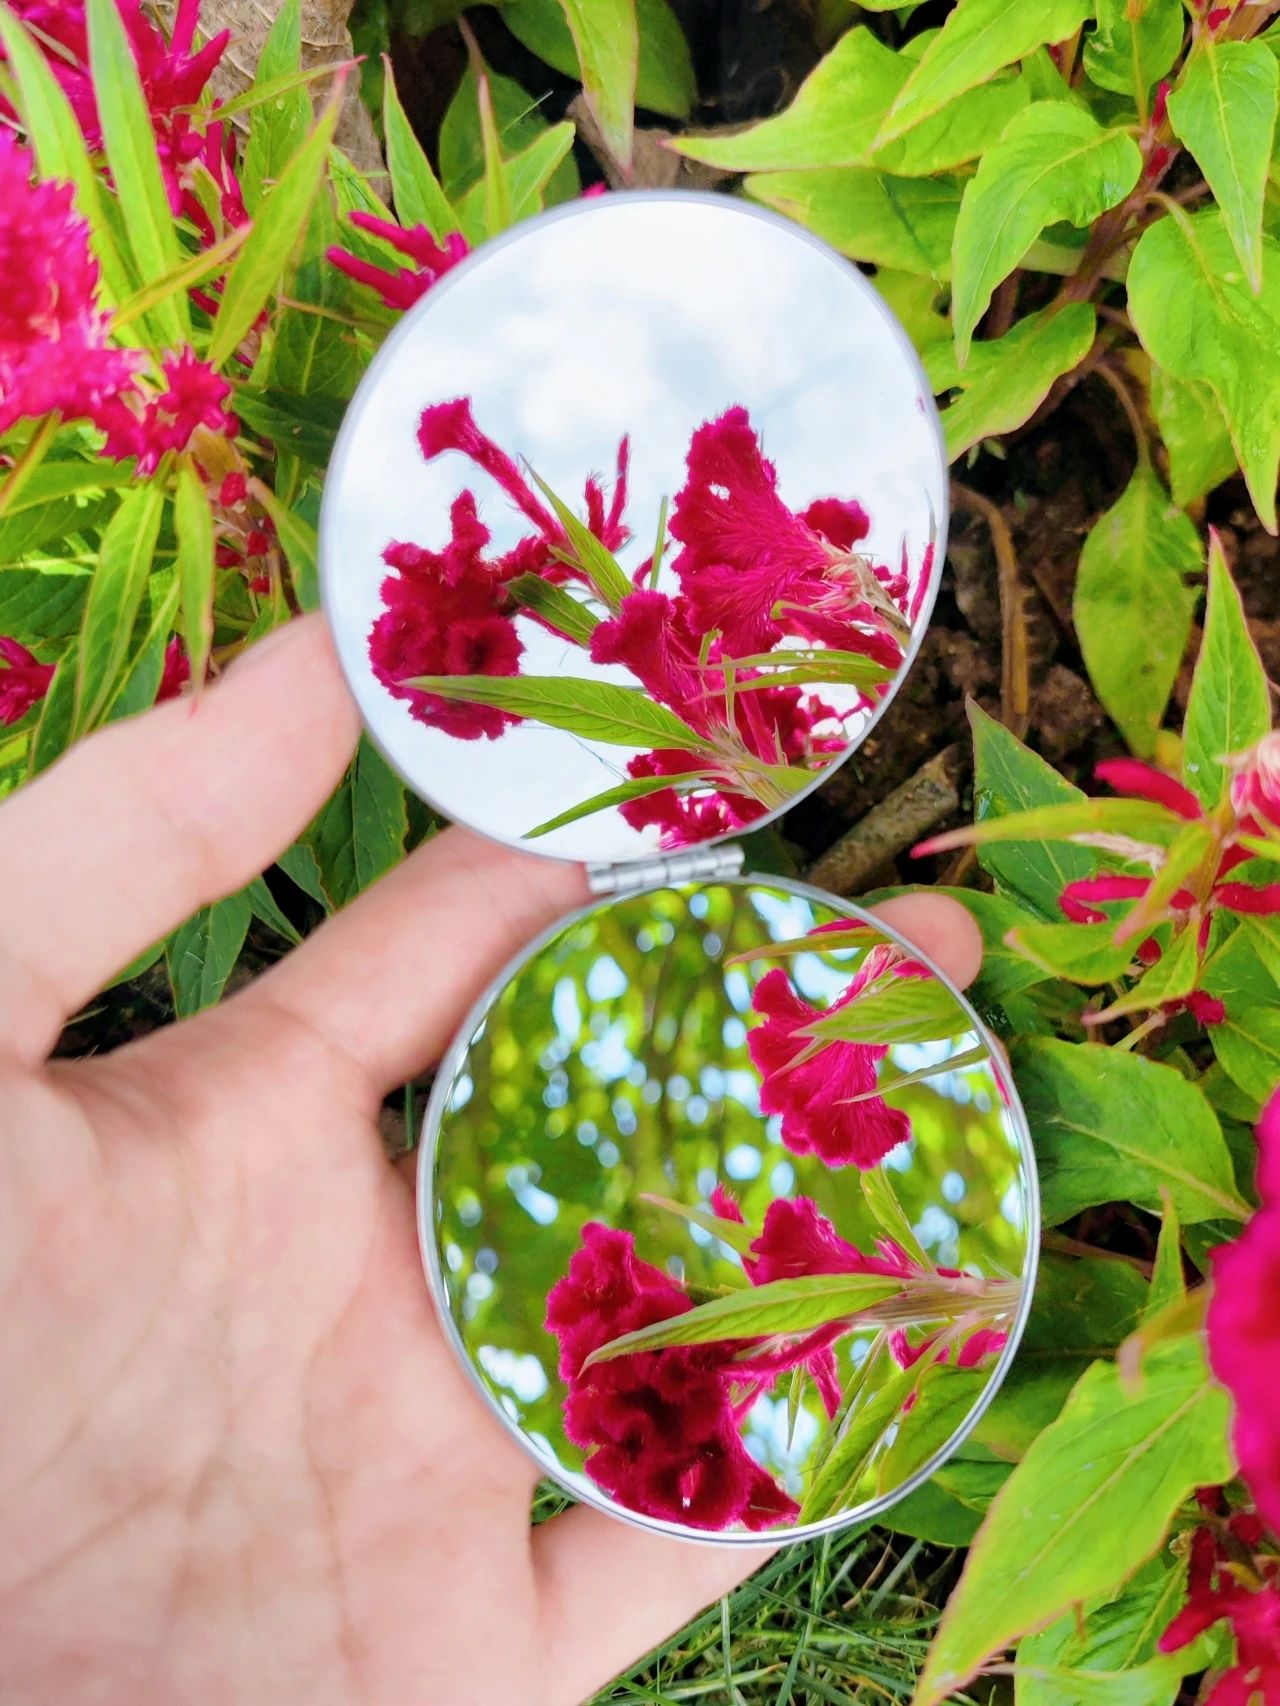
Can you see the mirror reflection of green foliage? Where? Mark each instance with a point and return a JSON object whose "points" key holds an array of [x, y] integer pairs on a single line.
{"points": [[614, 1067]]}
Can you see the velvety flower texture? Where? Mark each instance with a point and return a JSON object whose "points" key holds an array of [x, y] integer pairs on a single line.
{"points": [[1255, 788], [24, 680], [1216, 1591], [149, 426], [755, 570], [54, 356], [1244, 1327], [661, 1427], [817, 1093], [403, 286]]}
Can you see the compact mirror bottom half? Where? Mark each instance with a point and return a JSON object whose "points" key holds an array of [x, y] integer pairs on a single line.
{"points": [[729, 1209]]}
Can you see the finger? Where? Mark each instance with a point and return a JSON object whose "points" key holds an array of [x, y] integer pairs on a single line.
{"points": [[145, 822], [942, 929], [608, 1593], [388, 981]]}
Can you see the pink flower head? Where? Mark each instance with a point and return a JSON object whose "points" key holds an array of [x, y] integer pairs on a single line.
{"points": [[406, 285], [54, 356], [660, 1427], [1255, 788], [195, 396], [177, 670], [753, 570], [825, 1093], [1244, 1326], [24, 680], [446, 614], [1216, 1592]]}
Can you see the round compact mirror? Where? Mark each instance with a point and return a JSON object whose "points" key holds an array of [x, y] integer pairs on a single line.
{"points": [[633, 526], [729, 1209]]}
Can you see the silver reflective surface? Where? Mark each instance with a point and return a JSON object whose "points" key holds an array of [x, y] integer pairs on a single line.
{"points": [[629, 351], [826, 1234]]}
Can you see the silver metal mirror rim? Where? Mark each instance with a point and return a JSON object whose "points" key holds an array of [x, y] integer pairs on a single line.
{"points": [[586, 209], [428, 1149]]}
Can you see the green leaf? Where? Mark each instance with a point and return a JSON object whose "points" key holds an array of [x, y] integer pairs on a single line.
{"points": [[567, 614], [1084, 953], [42, 604], [202, 953], [664, 78], [119, 581], [1110, 1126], [1199, 320], [1105, 1651], [1230, 704], [596, 710], [264, 907], [1224, 111], [529, 175], [1133, 605], [1168, 1283], [607, 40], [801, 665], [520, 125], [1005, 381], [1008, 777], [785, 1307], [277, 229], [1082, 821], [594, 558], [1054, 163], [979, 38], [1247, 1044], [59, 146], [835, 1486], [142, 675], [636, 789], [359, 834], [301, 548], [1134, 44], [304, 426], [280, 123], [904, 1010], [193, 524], [1195, 435], [1088, 1504], [415, 188], [130, 146], [1004, 971], [54, 730], [836, 113], [906, 223], [1175, 974]]}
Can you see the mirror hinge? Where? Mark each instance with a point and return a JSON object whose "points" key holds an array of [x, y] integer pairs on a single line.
{"points": [[703, 863]]}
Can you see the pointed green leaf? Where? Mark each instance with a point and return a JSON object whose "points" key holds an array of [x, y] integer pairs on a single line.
{"points": [[1175, 974], [530, 174], [280, 123], [202, 953], [1054, 164], [906, 223], [1199, 320], [1230, 704], [119, 581], [298, 541], [1005, 381], [596, 710], [1168, 1282], [1224, 111], [593, 557], [1134, 44], [415, 189], [277, 228], [894, 1010], [1082, 821], [1247, 1044], [264, 907], [130, 147], [979, 38], [1089, 1502], [664, 78], [567, 614], [636, 789], [359, 834], [193, 525], [1083, 953], [1195, 436], [836, 114], [607, 40], [1133, 605], [1110, 1126]]}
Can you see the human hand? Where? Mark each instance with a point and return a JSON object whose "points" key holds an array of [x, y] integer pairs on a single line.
{"points": [[238, 1463]]}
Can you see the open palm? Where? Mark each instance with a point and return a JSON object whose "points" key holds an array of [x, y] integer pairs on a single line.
{"points": [[237, 1460]]}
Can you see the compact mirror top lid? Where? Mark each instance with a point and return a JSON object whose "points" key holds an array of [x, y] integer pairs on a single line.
{"points": [[535, 652]]}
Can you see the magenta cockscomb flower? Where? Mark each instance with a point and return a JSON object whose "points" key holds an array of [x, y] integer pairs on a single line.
{"points": [[1217, 1591], [149, 426], [402, 286], [661, 1428], [446, 613], [1255, 787], [176, 672], [1244, 1329], [825, 1092], [755, 570], [24, 680], [54, 355]]}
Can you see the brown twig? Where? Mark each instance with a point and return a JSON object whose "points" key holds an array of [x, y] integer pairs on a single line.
{"points": [[1124, 396], [1015, 659], [888, 829]]}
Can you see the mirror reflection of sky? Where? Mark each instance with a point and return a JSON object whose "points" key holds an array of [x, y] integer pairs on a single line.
{"points": [[635, 314], [615, 1064]]}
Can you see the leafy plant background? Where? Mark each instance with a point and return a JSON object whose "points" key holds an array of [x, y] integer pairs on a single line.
{"points": [[1074, 207]]}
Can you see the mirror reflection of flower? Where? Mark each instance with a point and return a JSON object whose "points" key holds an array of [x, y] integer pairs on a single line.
{"points": [[752, 573]]}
